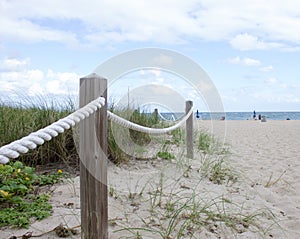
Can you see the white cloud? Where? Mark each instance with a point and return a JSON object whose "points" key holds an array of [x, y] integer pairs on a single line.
{"points": [[62, 83], [271, 80], [279, 98], [235, 60], [35, 90], [290, 98], [17, 76], [251, 62], [274, 96], [54, 87], [266, 68], [246, 42], [34, 75], [14, 64], [244, 61], [245, 24]]}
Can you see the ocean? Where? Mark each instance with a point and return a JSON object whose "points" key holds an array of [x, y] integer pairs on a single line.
{"points": [[236, 115]]}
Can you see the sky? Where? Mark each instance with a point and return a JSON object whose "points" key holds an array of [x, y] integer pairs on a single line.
{"points": [[249, 49]]}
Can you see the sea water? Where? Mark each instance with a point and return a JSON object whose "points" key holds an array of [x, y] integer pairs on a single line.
{"points": [[237, 115]]}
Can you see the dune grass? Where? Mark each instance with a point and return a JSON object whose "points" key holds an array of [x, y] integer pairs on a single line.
{"points": [[184, 212], [179, 214], [180, 209], [136, 139], [17, 121]]}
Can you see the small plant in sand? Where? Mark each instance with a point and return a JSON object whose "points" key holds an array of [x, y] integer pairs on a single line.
{"points": [[156, 195], [112, 192], [205, 142], [271, 182], [219, 173], [213, 164], [177, 136], [185, 217], [208, 144], [164, 154], [19, 199], [216, 170]]}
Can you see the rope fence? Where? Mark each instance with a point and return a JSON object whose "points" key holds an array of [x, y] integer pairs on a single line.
{"points": [[128, 124], [23, 145], [93, 166], [161, 116]]}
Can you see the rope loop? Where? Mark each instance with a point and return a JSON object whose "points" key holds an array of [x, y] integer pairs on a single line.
{"points": [[117, 119]]}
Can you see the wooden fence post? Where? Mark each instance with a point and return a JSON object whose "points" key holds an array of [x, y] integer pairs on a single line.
{"points": [[93, 161], [156, 115], [189, 131]]}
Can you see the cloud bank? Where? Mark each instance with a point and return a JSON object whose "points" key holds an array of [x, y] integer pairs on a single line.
{"points": [[245, 25]]}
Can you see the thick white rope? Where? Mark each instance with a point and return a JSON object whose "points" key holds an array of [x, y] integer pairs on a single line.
{"points": [[23, 145], [134, 126], [31, 141], [161, 116]]}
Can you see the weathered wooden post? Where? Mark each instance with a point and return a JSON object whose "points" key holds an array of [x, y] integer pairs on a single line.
{"points": [[156, 115], [189, 131], [93, 161]]}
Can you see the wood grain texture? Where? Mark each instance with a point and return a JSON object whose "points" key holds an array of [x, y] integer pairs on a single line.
{"points": [[93, 165], [189, 131]]}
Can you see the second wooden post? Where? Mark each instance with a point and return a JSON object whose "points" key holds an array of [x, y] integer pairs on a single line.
{"points": [[189, 131]]}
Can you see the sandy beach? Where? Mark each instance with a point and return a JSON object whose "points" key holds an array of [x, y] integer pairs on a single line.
{"points": [[258, 198]]}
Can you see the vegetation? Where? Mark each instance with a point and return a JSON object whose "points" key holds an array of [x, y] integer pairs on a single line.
{"points": [[117, 154], [177, 214], [184, 213], [165, 155], [20, 200], [216, 170], [19, 197], [18, 121]]}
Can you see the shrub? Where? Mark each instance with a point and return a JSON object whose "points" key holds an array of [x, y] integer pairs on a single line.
{"points": [[18, 202]]}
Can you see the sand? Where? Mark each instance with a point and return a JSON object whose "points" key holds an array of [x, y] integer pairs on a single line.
{"points": [[264, 163]]}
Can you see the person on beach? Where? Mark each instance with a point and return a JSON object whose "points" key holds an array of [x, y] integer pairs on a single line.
{"points": [[197, 114], [254, 115]]}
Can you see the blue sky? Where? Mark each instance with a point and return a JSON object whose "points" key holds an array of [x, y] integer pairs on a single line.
{"points": [[250, 49]]}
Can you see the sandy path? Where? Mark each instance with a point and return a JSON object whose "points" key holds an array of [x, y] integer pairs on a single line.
{"points": [[266, 155], [261, 150]]}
